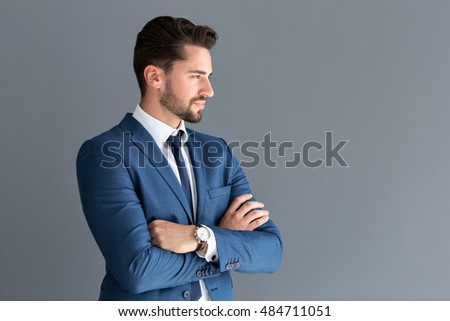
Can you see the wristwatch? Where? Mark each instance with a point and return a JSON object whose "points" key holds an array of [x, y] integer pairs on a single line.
{"points": [[202, 236]]}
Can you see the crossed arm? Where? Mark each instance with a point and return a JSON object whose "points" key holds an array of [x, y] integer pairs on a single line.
{"points": [[241, 215]]}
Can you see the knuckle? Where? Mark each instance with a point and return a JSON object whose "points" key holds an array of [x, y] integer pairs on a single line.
{"points": [[254, 213], [241, 198], [256, 204], [247, 206], [235, 202]]}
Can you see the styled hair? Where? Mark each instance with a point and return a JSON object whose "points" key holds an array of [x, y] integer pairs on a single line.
{"points": [[162, 41]]}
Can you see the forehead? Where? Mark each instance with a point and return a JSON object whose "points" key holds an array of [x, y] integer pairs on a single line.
{"points": [[197, 58]]}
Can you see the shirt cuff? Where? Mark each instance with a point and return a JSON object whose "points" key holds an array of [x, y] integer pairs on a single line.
{"points": [[211, 253]]}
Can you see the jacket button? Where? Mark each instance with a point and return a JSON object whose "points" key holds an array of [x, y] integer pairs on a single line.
{"points": [[210, 271], [186, 294], [238, 264], [199, 273]]}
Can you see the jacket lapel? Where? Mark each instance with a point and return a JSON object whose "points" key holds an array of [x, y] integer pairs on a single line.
{"points": [[142, 139]]}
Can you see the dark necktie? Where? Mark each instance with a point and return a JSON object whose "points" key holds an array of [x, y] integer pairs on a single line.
{"points": [[175, 144]]}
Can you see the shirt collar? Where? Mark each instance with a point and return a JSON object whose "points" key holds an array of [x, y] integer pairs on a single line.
{"points": [[159, 130]]}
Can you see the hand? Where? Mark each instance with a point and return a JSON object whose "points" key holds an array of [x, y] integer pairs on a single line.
{"points": [[172, 237], [244, 217]]}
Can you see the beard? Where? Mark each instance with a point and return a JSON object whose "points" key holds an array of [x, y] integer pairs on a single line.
{"points": [[172, 103]]}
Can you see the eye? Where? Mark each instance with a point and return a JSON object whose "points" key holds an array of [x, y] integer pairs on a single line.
{"points": [[197, 76]]}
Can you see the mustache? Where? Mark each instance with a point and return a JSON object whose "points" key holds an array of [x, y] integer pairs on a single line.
{"points": [[200, 98]]}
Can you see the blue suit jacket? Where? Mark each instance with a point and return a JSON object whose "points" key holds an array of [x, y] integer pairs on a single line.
{"points": [[125, 182]]}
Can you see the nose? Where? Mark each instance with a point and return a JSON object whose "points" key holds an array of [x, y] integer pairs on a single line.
{"points": [[207, 89]]}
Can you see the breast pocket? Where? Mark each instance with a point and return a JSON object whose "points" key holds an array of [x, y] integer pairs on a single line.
{"points": [[219, 191], [217, 203]]}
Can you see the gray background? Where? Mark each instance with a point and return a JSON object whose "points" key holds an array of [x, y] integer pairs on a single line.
{"points": [[375, 73]]}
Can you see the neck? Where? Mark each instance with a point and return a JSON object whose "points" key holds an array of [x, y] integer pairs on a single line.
{"points": [[157, 111]]}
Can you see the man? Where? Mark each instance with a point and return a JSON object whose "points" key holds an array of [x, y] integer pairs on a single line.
{"points": [[170, 208]]}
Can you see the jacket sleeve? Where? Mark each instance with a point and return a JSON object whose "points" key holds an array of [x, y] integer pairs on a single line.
{"points": [[257, 251], [117, 221]]}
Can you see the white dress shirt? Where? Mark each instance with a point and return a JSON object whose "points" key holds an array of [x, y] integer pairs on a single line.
{"points": [[160, 131]]}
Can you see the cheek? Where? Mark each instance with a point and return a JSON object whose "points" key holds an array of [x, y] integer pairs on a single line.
{"points": [[185, 90]]}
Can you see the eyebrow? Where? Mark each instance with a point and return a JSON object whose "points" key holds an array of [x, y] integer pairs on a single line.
{"points": [[201, 72]]}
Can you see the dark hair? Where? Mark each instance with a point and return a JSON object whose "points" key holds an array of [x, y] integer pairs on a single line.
{"points": [[161, 42]]}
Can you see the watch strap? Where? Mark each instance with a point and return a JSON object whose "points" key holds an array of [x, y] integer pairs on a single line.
{"points": [[201, 245]]}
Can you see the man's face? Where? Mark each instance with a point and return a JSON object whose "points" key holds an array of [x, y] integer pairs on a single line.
{"points": [[187, 87]]}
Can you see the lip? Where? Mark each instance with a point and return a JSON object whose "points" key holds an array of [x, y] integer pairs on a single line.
{"points": [[200, 104]]}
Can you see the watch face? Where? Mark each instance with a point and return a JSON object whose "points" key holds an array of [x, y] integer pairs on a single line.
{"points": [[202, 234]]}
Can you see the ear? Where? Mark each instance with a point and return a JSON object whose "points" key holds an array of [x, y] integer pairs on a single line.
{"points": [[154, 76]]}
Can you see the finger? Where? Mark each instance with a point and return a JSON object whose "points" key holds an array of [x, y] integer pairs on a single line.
{"points": [[249, 206], [157, 223], [154, 241], [258, 222], [153, 226], [153, 232], [156, 228], [154, 223], [255, 214], [238, 201]]}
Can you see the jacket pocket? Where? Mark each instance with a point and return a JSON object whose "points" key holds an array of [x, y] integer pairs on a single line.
{"points": [[219, 191]]}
